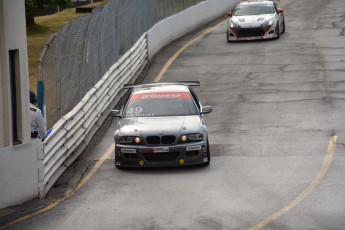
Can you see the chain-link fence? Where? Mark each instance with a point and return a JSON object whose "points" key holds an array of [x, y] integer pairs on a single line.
{"points": [[78, 55]]}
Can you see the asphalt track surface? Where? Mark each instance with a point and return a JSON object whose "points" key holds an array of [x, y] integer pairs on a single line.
{"points": [[276, 134]]}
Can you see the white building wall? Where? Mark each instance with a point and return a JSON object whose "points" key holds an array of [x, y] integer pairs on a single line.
{"points": [[19, 162], [2, 78], [13, 37], [18, 173]]}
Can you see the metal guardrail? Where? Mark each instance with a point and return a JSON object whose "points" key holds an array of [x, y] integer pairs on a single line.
{"points": [[72, 133]]}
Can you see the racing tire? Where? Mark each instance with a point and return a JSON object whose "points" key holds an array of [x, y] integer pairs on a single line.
{"points": [[208, 155], [283, 26], [227, 37], [118, 166], [278, 31]]}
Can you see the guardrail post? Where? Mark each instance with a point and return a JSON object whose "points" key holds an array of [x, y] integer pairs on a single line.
{"points": [[40, 158]]}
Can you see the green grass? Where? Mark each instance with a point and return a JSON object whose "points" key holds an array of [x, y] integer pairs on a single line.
{"points": [[39, 34]]}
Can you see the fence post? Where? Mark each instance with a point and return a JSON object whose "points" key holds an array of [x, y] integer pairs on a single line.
{"points": [[58, 82], [40, 95]]}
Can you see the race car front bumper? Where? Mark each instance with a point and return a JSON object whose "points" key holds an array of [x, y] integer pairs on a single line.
{"points": [[254, 33], [161, 156]]}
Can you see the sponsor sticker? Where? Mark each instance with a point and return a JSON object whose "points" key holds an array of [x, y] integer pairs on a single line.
{"points": [[125, 150], [147, 150], [161, 150], [192, 148], [162, 95]]}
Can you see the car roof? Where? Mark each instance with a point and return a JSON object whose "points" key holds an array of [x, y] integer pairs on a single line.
{"points": [[160, 87]]}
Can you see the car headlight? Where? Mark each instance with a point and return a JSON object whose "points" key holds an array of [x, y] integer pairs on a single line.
{"points": [[193, 137], [269, 22], [233, 25], [129, 140]]}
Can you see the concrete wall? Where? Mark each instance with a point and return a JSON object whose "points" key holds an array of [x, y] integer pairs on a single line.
{"points": [[2, 73], [13, 37], [18, 163], [19, 173], [180, 24]]}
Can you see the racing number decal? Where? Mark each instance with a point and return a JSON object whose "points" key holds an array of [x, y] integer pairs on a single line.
{"points": [[136, 110]]}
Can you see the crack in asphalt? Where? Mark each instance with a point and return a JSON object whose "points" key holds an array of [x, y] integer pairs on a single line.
{"points": [[342, 32], [328, 99], [248, 76]]}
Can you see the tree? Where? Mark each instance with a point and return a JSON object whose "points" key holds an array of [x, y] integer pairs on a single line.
{"points": [[30, 5]]}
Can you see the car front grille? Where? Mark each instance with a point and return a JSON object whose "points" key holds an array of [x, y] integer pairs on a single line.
{"points": [[252, 32], [192, 153], [153, 140], [156, 140], [167, 139], [161, 157]]}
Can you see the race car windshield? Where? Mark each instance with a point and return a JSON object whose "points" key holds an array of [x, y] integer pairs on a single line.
{"points": [[160, 104], [253, 9]]}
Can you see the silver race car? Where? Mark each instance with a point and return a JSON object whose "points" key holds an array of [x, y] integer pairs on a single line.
{"points": [[161, 124], [252, 20]]}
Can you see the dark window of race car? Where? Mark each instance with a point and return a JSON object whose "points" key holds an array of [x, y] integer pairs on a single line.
{"points": [[254, 9], [161, 104]]}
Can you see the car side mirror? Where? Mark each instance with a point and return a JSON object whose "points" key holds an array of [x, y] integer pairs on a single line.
{"points": [[280, 10], [229, 14], [115, 113], [206, 109]]}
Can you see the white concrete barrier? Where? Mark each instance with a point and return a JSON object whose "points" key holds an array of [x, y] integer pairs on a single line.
{"points": [[19, 169], [175, 26]]}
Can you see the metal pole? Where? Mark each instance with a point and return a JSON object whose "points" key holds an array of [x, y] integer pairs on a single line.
{"points": [[58, 81]]}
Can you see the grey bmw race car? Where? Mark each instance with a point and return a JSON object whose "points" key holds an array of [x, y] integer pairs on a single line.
{"points": [[161, 124], [252, 20]]}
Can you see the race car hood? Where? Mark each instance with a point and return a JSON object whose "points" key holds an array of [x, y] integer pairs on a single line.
{"points": [[251, 19], [160, 125]]}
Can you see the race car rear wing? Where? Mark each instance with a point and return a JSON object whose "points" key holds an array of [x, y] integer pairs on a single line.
{"points": [[189, 83]]}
